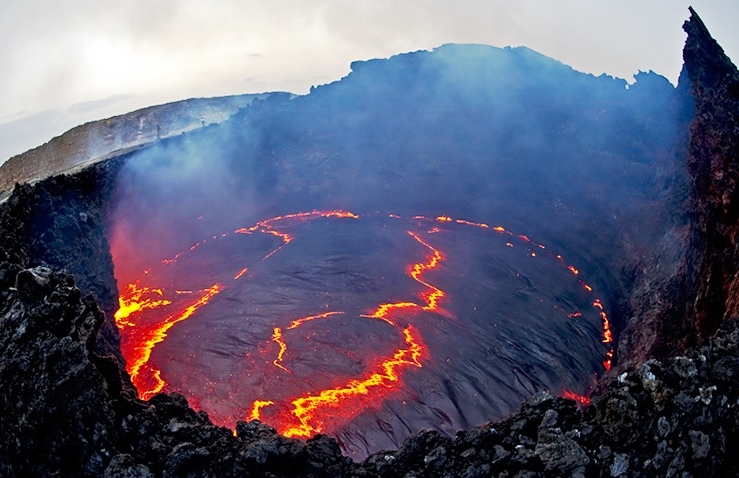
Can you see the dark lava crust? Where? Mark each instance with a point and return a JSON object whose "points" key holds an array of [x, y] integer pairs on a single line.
{"points": [[67, 409]]}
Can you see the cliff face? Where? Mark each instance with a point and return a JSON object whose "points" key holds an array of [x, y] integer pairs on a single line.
{"points": [[714, 171], [98, 139], [656, 278], [68, 410], [59, 223]]}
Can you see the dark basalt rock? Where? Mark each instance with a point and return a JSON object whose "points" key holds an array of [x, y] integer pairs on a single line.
{"points": [[714, 175], [55, 414], [59, 223], [67, 409]]}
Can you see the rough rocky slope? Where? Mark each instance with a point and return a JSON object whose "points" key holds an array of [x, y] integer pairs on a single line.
{"points": [[97, 139], [67, 410]]}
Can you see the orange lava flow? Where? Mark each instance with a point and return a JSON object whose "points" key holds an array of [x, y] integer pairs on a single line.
{"points": [[435, 294], [305, 421], [136, 298], [470, 223], [384, 310], [298, 322], [142, 338], [279, 340], [286, 239], [607, 332], [144, 312], [307, 415], [267, 226], [580, 399], [256, 407], [303, 216]]}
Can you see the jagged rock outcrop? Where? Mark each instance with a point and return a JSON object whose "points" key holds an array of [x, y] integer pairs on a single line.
{"points": [[59, 223], [67, 409], [714, 171], [57, 415]]}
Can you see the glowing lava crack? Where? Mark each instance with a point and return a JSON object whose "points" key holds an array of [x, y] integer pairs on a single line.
{"points": [[148, 310], [144, 337], [306, 415]]}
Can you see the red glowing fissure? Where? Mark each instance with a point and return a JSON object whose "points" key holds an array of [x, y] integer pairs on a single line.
{"points": [[582, 400], [305, 416], [146, 313]]}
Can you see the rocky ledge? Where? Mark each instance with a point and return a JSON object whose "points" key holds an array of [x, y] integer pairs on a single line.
{"points": [[97, 140], [67, 409]]}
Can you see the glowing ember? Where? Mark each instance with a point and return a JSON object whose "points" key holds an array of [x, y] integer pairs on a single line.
{"points": [[608, 360]]}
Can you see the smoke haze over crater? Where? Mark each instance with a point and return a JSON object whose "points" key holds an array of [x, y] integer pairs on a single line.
{"points": [[71, 62]]}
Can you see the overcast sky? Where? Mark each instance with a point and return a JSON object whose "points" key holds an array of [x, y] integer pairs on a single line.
{"points": [[65, 62]]}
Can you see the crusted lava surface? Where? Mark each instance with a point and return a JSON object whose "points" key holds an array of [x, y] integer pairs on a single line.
{"points": [[367, 328]]}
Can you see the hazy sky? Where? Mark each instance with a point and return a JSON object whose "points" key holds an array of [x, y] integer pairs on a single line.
{"points": [[65, 62]]}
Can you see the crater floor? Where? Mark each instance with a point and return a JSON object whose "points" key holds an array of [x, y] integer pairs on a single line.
{"points": [[366, 327]]}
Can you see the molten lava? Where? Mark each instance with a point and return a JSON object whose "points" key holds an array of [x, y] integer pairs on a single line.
{"points": [[149, 310], [582, 400], [306, 416], [139, 341], [136, 299]]}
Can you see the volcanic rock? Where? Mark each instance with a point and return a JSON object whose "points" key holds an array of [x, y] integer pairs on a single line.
{"points": [[714, 178]]}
